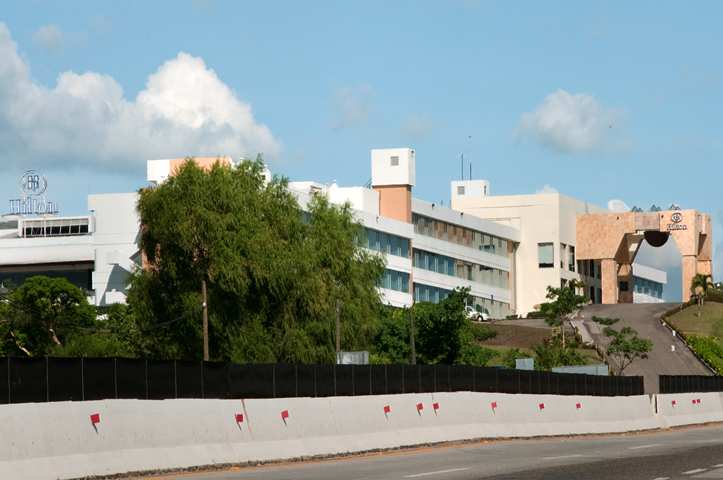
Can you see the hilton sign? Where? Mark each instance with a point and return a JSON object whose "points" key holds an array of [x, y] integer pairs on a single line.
{"points": [[675, 224], [33, 202]]}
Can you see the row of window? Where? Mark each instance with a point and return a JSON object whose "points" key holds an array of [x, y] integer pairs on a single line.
{"points": [[428, 293], [55, 230], [461, 269], [459, 235], [386, 243], [394, 280], [648, 287]]}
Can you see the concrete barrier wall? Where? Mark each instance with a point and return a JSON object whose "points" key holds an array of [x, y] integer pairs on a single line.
{"points": [[58, 440], [677, 409]]}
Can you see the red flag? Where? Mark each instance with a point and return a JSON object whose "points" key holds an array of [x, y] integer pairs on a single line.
{"points": [[493, 405], [578, 406], [542, 406], [387, 409], [95, 418], [239, 418], [435, 406], [284, 414], [673, 403], [420, 407]]}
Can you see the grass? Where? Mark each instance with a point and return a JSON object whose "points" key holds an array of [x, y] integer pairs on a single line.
{"points": [[704, 332], [709, 324]]}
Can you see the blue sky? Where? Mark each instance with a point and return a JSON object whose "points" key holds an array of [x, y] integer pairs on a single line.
{"points": [[601, 101]]}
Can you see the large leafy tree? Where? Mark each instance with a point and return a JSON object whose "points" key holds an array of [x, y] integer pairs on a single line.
{"points": [[275, 275], [41, 315]]}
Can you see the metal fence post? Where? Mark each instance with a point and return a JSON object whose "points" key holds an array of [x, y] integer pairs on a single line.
{"points": [[203, 382], [9, 382], [386, 381], [82, 378], [316, 390], [273, 381], [47, 377]]}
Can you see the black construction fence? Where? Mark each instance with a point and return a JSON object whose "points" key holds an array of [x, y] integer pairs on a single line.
{"points": [[690, 383], [51, 379]]}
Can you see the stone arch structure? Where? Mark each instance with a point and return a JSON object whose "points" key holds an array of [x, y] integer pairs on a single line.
{"points": [[613, 239]]}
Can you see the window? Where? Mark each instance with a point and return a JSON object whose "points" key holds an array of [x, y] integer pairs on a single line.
{"points": [[395, 161], [592, 294], [571, 258], [545, 255], [394, 280], [386, 243], [460, 190], [624, 286], [562, 255], [461, 269]]}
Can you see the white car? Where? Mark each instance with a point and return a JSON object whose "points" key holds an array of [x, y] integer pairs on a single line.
{"points": [[475, 315]]}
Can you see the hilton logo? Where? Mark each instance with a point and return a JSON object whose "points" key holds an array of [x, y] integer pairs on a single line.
{"points": [[32, 187], [676, 218]]}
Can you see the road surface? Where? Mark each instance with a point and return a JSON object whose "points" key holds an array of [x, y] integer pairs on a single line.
{"points": [[692, 453], [645, 318]]}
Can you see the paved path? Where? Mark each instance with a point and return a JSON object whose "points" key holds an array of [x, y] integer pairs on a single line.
{"points": [[679, 454], [645, 318]]}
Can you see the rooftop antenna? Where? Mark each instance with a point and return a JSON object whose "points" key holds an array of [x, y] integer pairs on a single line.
{"points": [[470, 170], [462, 169]]}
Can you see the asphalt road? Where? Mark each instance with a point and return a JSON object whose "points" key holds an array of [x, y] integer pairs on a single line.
{"points": [[645, 318], [693, 453]]}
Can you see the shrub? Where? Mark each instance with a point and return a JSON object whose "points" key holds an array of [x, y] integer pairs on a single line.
{"points": [[709, 349]]}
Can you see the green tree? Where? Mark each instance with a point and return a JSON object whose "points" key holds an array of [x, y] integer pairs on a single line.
{"points": [[699, 287], [113, 333], [444, 334], [564, 303], [554, 353], [42, 314], [624, 346], [274, 274], [392, 343]]}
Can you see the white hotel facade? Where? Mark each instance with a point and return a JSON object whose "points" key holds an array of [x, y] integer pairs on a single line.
{"points": [[499, 247]]}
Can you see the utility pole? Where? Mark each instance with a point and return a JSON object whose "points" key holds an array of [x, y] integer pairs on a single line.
{"points": [[205, 320], [411, 335]]}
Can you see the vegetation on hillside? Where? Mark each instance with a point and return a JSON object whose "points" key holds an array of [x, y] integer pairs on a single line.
{"points": [[702, 325]]}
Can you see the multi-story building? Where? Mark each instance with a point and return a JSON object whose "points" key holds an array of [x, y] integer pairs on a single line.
{"points": [[545, 255], [505, 249], [97, 252], [430, 249]]}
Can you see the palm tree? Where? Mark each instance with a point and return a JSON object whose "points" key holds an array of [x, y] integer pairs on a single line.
{"points": [[700, 285]]}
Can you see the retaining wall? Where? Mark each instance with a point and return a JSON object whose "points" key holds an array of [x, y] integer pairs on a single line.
{"points": [[60, 440]]}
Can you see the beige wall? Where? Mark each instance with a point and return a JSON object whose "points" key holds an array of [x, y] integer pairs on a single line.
{"points": [[541, 218], [615, 237]]}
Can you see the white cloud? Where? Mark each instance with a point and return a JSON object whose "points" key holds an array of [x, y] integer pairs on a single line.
{"points": [[417, 127], [85, 120], [351, 106], [547, 189], [49, 37], [617, 205], [570, 123]]}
